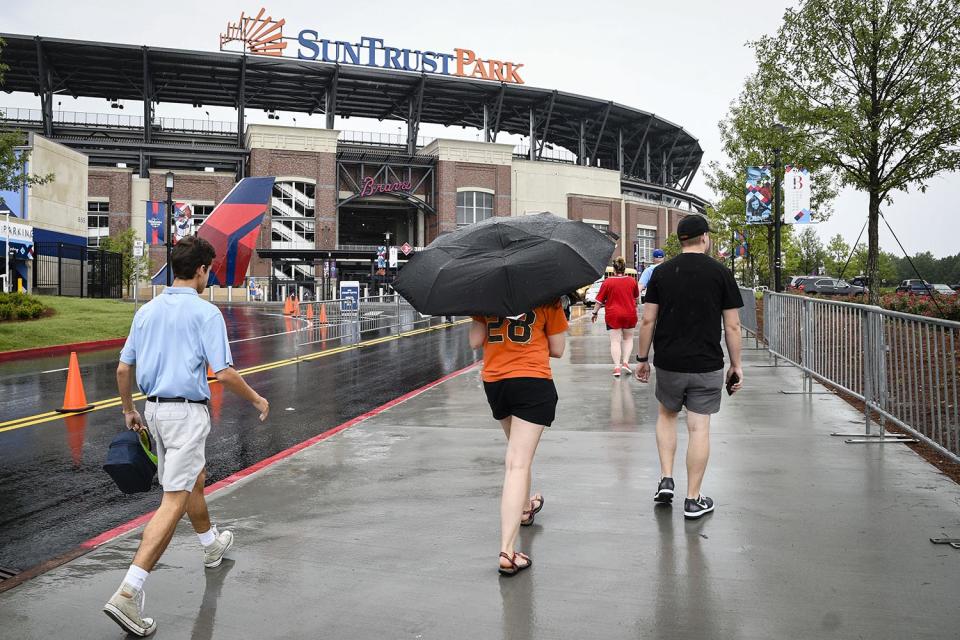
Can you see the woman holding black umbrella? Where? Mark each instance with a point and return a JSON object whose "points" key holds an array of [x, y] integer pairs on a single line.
{"points": [[519, 387], [508, 273]]}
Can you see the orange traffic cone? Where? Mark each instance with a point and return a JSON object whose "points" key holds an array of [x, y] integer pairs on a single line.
{"points": [[210, 374], [74, 399], [323, 313], [310, 311], [295, 303], [288, 307]]}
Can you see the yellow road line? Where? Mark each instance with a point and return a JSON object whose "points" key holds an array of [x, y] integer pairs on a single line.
{"points": [[50, 416]]}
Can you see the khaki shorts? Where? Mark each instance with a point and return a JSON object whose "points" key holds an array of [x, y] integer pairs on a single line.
{"points": [[698, 392], [180, 430]]}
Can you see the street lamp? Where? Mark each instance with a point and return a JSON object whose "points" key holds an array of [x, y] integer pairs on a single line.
{"points": [[777, 219], [169, 186]]}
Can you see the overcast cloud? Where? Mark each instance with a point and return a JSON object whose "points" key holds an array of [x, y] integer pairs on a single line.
{"points": [[684, 61]]}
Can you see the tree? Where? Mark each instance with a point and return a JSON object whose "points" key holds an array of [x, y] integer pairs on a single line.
{"points": [[807, 253], [672, 247], [749, 138], [837, 253], [134, 269], [874, 86], [13, 161]]}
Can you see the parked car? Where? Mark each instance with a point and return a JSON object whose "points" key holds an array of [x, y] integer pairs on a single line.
{"points": [[794, 281], [915, 286], [590, 296], [831, 287], [943, 290], [861, 281], [955, 287], [805, 281]]}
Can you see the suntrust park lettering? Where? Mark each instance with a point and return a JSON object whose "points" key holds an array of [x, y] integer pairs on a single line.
{"points": [[372, 53]]}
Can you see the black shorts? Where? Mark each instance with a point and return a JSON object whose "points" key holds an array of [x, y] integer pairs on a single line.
{"points": [[530, 399]]}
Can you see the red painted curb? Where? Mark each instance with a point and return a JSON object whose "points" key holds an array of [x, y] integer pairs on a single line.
{"points": [[59, 349], [116, 532]]}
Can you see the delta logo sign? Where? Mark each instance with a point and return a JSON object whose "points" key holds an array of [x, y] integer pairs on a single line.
{"points": [[262, 35]]}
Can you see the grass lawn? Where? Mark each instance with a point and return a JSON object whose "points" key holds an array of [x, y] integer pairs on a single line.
{"points": [[74, 320]]}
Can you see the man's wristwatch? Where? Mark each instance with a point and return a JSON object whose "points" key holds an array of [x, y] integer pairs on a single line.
{"points": [[643, 358]]}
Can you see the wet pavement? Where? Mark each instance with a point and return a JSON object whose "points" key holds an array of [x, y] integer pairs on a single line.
{"points": [[390, 528], [54, 492]]}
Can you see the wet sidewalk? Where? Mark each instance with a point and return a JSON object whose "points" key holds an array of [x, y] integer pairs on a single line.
{"points": [[389, 529]]}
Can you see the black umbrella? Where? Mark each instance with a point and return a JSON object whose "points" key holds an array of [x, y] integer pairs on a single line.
{"points": [[504, 266]]}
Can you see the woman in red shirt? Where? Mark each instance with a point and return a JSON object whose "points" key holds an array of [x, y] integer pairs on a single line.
{"points": [[618, 296]]}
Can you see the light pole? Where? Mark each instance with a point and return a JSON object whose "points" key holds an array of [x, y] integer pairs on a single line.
{"points": [[777, 221], [169, 238]]}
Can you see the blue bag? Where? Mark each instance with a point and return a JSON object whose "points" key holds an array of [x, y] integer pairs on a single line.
{"points": [[130, 462]]}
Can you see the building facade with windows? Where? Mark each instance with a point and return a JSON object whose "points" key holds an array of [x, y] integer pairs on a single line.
{"points": [[339, 195]]}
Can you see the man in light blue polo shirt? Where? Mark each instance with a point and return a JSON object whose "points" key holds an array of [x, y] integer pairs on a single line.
{"points": [[173, 339], [648, 272]]}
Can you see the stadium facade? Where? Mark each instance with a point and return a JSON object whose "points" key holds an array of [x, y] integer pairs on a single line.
{"points": [[338, 193]]}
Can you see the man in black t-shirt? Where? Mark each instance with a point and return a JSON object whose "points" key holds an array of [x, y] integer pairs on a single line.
{"points": [[686, 300]]}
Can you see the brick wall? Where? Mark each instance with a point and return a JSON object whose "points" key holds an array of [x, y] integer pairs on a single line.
{"points": [[594, 208], [453, 175], [114, 185]]}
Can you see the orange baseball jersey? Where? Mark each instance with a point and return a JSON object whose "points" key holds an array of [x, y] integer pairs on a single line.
{"points": [[517, 348]]}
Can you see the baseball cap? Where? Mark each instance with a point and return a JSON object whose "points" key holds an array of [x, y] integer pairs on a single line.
{"points": [[692, 226], [658, 253]]}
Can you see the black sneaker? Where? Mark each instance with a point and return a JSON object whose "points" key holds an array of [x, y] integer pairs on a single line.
{"points": [[696, 508], [664, 491]]}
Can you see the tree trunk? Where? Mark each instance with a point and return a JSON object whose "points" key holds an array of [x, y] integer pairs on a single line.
{"points": [[873, 248]]}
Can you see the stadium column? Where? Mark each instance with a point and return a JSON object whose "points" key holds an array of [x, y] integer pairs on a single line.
{"points": [[46, 95], [241, 101], [533, 137], [582, 147], [330, 102], [147, 119], [486, 122]]}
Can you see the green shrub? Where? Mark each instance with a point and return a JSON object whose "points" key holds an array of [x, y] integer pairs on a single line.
{"points": [[20, 306]]}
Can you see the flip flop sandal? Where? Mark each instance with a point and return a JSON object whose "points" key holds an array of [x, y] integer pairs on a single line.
{"points": [[527, 521], [514, 567], [540, 497]]}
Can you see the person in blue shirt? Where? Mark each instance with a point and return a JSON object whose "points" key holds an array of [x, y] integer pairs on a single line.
{"points": [[173, 339], [648, 272]]}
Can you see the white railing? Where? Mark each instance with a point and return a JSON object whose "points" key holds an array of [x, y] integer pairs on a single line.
{"points": [[379, 138]]}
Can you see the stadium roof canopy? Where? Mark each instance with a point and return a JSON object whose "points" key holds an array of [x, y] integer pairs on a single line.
{"points": [[600, 133]]}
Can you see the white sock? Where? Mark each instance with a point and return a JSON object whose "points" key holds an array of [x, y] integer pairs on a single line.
{"points": [[136, 577], [208, 538]]}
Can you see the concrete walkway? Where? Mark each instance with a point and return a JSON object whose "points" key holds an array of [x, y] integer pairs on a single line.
{"points": [[390, 530]]}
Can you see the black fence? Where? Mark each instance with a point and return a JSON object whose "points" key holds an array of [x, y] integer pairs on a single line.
{"points": [[73, 270]]}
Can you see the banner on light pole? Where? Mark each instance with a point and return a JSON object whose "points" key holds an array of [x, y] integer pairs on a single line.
{"points": [[796, 195], [759, 195]]}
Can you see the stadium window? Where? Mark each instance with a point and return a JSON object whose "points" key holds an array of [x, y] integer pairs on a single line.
{"points": [[647, 241], [473, 206], [98, 222], [200, 213]]}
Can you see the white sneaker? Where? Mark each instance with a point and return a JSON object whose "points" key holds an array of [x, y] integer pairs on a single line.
{"points": [[626, 368], [213, 553], [126, 609]]}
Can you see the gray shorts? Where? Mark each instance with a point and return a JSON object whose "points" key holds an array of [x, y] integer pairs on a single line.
{"points": [[180, 431], [699, 392]]}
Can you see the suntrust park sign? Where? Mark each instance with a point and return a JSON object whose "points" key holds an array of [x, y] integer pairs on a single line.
{"points": [[263, 35]]}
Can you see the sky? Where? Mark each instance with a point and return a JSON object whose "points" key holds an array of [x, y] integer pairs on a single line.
{"points": [[683, 61]]}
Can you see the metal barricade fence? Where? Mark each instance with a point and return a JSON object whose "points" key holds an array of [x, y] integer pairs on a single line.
{"points": [[905, 368], [348, 321], [748, 312]]}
